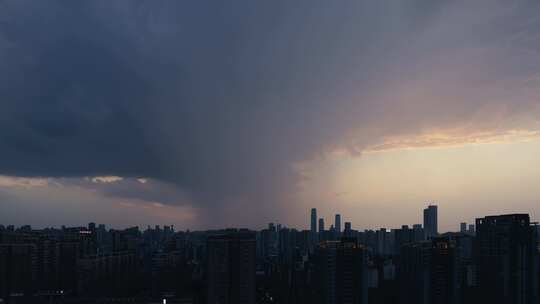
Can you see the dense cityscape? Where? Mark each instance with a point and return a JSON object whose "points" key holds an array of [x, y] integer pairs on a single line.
{"points": [[269, 152], [494, 260]]}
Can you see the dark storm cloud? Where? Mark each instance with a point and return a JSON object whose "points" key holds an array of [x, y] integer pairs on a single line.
{"points": [[221, 98]]}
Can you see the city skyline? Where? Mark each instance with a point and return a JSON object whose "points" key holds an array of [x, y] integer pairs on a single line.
{"points": [[430, 226], [496, 262], [449, 225]]}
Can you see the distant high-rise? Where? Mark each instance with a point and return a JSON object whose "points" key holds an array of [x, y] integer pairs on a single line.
{"points": [[231, 268], [347, 231], [506, 257], [337, 224], [430, 221], [471, 229], [463, 227], [313, 220], [321, 225]]}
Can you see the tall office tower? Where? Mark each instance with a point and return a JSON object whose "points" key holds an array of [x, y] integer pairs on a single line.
{"points": [[430, 221], [313, 220], [463, 227], [341, 272], [321, 225], [337, 224], [231, 268], [313, 236], [506, 257]]}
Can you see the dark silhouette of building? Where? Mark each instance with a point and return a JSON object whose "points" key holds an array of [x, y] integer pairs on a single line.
{"points": [[506, 257], [337, 224], [231, 268], [321, 225], [430, 221], [341, 272], [109, 275], [404, 236], [471, 229], [269, 242], [418, 233], [463, 227], [67, 255], [382, 242], [429, 272], [347, 229], [445, 271], [287, 245], [313, 227], [18, 269], [281, 265]]}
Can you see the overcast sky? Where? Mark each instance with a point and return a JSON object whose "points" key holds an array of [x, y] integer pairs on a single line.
{"points": [[207, 114]]}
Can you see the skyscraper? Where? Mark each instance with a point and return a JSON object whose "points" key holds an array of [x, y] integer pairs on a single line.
{"points": [[313, 220], [506, 257], [231, 268], [337, 224], [321, 225], [463, 227], [430, 221]]}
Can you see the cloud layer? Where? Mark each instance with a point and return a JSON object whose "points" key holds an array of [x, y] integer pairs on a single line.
{"points": [[217, 101]]}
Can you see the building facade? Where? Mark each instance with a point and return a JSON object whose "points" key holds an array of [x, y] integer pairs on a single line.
{"points": [[231, 268]]}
